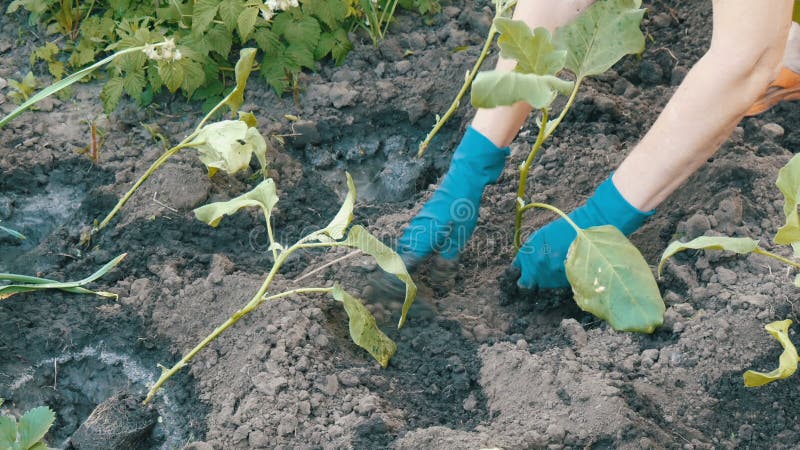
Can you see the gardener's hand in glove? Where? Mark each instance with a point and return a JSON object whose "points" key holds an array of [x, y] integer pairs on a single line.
{"points": [[446, 222], [541, 258]]}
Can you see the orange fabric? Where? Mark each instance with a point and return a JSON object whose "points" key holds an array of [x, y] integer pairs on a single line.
{"points": [[786, 87]]}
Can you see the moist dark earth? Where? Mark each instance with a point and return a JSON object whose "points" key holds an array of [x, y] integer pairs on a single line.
{"points": [[480, 366]]}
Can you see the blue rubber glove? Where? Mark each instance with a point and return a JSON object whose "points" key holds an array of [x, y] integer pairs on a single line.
{"points": [[541, 258], [448, 219]]}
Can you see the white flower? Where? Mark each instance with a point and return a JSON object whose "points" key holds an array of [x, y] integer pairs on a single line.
{"points": [[267, 14], [177, 55]]}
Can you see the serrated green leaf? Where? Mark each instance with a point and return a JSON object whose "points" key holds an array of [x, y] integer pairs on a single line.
{"points": [[358, 237], [267, 40], [500, 88], [301, 56], [611, 280], [789, 184], [601, 35], [533, 51], [246, 22], [741, 246], [341, 46], [37, 284], [302, 31], [263, 196], [203, 13], [171, 72], [788, 359], [8, 432], [273, 68], [229, 12], [134, 82], [229, 145], [329, 12], [363, 329], [194, 75], [34, 425], [219, 40], [244, 66], [111, 94]]}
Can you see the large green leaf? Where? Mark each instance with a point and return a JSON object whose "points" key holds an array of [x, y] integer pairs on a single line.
{"points": [[363, 329], [228, 145], [8, 432], [611, 280], [788, 360], [533, 51], [741, 246], [203, 13], [387, 259], [501, 88], [34, 425], [244, 66], [37, 284], [601, 36], [263, 196], [789, 184]]}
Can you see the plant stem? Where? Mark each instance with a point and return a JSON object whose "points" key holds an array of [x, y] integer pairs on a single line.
{"points": [[500, 10], [780, 258], [566, 109], [555, 210], [523, 177], [156, 164]]}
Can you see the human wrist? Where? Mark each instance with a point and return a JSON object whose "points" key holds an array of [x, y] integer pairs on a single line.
{"points": [[479, 158], [608, 205]]}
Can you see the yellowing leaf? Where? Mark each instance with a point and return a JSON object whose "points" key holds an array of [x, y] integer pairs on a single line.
{"points": [[363, 329], [387, 259], [29, 284], [789, 184], [611, 280], [788, 360], [533, 51], [741, 246], [501, 88], [601, 35], [244, 66], [228, 145], [341, 221], [263, 196]]}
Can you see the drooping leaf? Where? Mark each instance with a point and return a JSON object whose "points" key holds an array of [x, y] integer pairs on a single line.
{"points": [[601, 35], [741, 246], [358, 237], [363, 329], [244, 66], [501, 88], [228, 145], [789, 184], [8, 432], [788, 359], [336, 228], [37, 284], [533, 51], [34, 425], [611, 280], [263, 196], [13, 233]]}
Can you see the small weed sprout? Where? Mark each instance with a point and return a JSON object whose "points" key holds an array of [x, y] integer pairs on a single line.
{"points": [[28, 432]]}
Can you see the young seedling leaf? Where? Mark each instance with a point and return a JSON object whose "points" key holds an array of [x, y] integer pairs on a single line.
{"points": [[363, 329], [500, 88], [34, 425], [789, 183], [741, 246], [533, 50], [611, 280], [601, 35], [8, 432], [72, 286], [787, 362], [228, 145], [387, 259], [244, 66], [263, 196], [342, 220]]}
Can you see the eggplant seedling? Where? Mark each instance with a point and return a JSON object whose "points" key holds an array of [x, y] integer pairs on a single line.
{"points": [[609, 276], [363, 328]]}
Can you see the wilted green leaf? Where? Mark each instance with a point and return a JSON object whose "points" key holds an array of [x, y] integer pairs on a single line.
{"points": [[37, 284], [501, 88], [229, 145], [788, 360], [244, 66], [341, 221], [601, 35], [14, 233], [533, 51], [363, 329], [387, 259], [34, 425], [263, 196], [611, 280], [789, 184], [741, 246]]}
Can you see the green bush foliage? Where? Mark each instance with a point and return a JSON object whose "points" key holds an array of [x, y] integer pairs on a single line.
{"points": [[290, 34]]}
